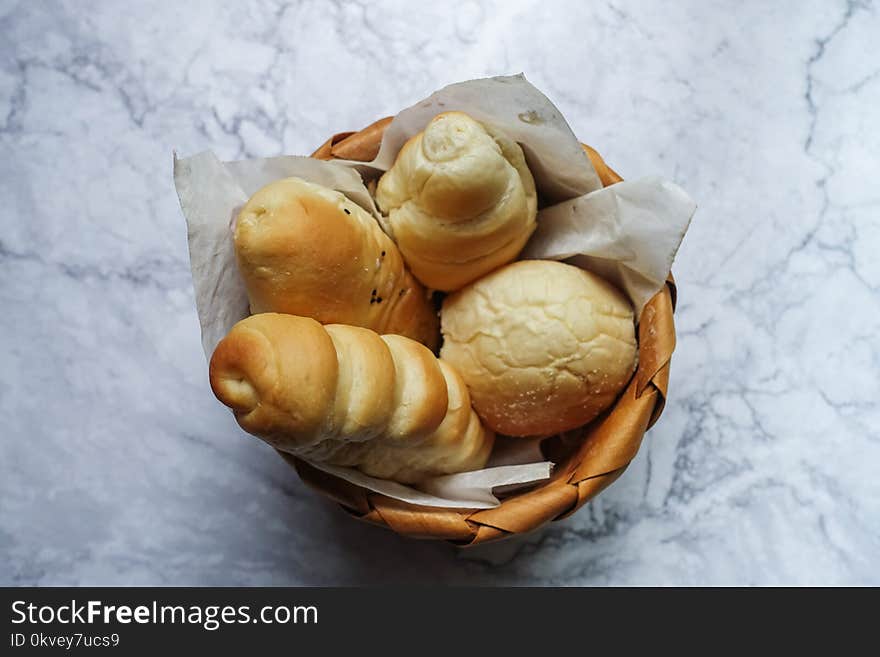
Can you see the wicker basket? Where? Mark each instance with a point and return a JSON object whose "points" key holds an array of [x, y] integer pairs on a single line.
{"points": [[587, 460]]}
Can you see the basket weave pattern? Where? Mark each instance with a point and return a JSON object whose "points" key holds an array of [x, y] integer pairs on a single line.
{"points": [[601, 452]]}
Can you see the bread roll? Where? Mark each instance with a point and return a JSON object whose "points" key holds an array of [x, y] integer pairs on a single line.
{"points": [[304, 249], [544, 347], [460, 201], [347, 396]]}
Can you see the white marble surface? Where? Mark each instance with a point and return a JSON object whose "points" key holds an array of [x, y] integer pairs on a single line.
{"points": [[119, 467]]}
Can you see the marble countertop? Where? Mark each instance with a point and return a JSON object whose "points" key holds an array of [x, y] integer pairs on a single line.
{"points": [[118, 465]]}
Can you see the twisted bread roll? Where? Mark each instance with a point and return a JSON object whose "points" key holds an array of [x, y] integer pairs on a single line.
{"points": [[347, 396], [307, 250], [460, 201]]}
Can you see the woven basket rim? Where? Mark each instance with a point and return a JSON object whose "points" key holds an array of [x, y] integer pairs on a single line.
{"points": [[604, 451]]}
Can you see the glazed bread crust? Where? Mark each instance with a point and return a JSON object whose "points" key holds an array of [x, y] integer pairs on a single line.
{"points": [[304, 249]]}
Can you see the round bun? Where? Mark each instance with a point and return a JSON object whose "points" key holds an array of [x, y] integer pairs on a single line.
{"points": [[460, 201], [544, 347]]}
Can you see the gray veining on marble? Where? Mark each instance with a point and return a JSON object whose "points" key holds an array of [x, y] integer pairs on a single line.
{"points": [[119, 467]]}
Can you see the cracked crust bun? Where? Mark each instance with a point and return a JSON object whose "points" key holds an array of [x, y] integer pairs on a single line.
{"points": [[543, 346]]}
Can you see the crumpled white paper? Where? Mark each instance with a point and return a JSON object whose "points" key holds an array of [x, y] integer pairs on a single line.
{"points": [[609, 231], [466, 490], [628, 233]]}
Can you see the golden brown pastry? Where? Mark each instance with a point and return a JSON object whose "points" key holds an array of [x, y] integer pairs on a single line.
{"points": [[460, 201], [304, 249], [544, 347], [347, 396]]}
